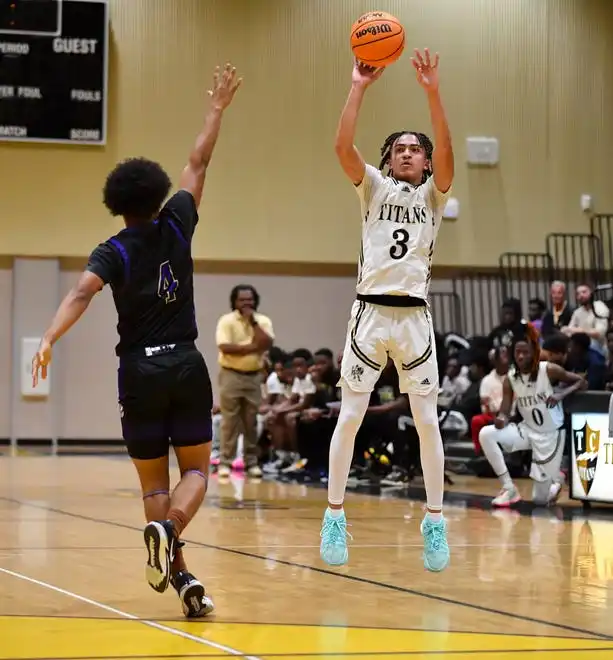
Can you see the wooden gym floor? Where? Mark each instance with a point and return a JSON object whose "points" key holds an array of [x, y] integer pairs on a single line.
{"points": [[72, 578]]}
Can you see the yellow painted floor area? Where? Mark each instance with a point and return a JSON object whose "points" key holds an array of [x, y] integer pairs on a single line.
{"points": [[72, 582], [32, 637]]}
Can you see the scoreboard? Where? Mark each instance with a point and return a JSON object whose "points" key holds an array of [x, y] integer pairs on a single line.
{"points": [[53, 71]]}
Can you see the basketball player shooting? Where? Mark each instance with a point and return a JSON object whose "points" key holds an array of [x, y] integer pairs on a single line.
{"points": [[401, 213], [165, 393], [531, 383]]}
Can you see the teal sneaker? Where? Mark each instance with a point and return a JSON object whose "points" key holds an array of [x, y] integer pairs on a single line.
{"points": [[436, 549], [333, 548]]}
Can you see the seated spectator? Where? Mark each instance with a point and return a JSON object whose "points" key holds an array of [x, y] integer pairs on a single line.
{"points": [[510, 324], [555, 349], [591, 318], [583, 359], [283, 415], [470, 403], [454, 383], [560, 313], [275, 360], [315, 427], [490, 392], [536, 312], [324, 361], [279, 397]]}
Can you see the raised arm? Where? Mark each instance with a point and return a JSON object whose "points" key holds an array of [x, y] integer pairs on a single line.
{"points": [[442, 157], [349, 157], [225, 85]]}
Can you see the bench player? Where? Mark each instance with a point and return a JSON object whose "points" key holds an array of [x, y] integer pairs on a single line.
{"points": [[533, 384], [164, 388], [401, 216]]}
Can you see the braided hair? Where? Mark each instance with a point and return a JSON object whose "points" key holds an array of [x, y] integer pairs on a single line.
{"points": [[386, 151], [530, 335]]}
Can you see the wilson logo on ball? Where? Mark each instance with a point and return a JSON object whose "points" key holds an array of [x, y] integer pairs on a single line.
{"points": [[381, 28]]}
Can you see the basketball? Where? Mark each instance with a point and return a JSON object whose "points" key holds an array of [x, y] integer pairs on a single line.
{"points": [[377, 39]]}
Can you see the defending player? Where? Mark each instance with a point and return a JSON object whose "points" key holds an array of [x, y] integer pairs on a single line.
{"points": [[164, 387], [401, 216], [532, 384]]}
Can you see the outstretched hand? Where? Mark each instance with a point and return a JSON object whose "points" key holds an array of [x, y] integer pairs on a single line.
{"points": [[225, 84], [365, 75], [427, 69]]}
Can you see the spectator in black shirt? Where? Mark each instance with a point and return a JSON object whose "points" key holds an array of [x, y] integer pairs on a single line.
{"points": [[164, 387], [510, 325], [327, 372]]}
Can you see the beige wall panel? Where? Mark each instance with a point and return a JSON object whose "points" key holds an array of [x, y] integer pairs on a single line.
{"points": [[533, 73], [6, 327], [307, 312]]}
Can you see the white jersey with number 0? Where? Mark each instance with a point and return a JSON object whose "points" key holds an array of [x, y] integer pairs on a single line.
{"points": [[531, 397], [400, 223]]}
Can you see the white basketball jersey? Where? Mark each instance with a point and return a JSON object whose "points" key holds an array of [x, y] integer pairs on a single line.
{"points": [[400, 223], [531, 398]]}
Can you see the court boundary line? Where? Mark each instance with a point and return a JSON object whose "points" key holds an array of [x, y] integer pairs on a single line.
{"points": [[227, 650], [356, 654], [323, 571], [226, 622]]}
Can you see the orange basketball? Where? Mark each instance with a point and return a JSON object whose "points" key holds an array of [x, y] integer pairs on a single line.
{"points": [[377, 39]]}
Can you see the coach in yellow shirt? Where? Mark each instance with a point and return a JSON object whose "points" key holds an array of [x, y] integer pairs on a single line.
{"points": [[243, 336]]}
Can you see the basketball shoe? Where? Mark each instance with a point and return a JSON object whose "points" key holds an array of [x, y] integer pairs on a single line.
{"points": [[436, 548], [192, 595], [161, 544], [333, 547]]}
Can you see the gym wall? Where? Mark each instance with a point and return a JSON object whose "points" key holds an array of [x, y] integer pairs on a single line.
{"points": [[533, 74]]}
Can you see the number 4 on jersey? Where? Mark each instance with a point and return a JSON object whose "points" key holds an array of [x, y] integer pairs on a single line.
{"points": [[167, 284]]}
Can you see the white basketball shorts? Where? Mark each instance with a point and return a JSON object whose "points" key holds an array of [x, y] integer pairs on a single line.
{"points": [[404, 333]]}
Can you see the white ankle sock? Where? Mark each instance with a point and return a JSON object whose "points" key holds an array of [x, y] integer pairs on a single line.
{"points": [[336, 513]]}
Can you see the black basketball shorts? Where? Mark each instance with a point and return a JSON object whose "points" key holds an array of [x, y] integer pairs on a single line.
{"points": [[164, 398]]}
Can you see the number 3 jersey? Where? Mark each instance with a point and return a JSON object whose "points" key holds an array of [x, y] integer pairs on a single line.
{"points": [[151, 274], [400, 223], [531, 399]]}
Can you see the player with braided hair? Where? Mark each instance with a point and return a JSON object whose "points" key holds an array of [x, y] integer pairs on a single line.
{"points": [[402, 210], [531, 383], [386, 151]]}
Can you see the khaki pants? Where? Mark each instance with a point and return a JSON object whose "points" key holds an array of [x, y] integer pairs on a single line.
{"points": [[240, 396]]}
